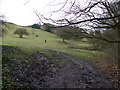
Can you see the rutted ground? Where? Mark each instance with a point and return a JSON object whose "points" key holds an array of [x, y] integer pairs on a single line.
{"points": [[52, 70]]}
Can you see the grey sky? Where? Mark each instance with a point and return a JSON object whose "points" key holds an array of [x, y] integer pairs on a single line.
{"points": [[21, 14]]}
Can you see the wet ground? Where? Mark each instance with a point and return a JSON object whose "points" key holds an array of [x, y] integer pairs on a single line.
{"points": [[53, 70]]}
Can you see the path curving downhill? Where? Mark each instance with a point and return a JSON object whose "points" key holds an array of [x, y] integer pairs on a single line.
{"points": [[76, 73], [53, 70]]}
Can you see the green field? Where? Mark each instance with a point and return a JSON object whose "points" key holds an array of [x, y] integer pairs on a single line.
{"points": [[31, 43]]}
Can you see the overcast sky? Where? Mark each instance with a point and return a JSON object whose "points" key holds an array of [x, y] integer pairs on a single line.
{"points": [[18, 12], [21, 14]]}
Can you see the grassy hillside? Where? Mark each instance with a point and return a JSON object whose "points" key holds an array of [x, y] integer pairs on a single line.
{"points": [[32, 43]]}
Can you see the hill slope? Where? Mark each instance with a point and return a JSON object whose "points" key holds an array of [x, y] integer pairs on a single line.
{"points": [[32, 44]]}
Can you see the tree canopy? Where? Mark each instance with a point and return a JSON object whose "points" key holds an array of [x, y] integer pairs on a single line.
{"points": [[36, 26], [70, 33], [21, 32]]}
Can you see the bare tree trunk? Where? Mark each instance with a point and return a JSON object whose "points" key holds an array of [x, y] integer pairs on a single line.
{"points": [[21, 36], [63, 40]]}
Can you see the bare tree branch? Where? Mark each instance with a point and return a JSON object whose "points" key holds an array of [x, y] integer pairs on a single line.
{"points": [[26, 2], [97, 15], [98, 19], [61, 7], [38, 16], [101, 38]]}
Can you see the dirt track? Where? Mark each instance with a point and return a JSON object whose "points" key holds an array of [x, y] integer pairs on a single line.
{"points": [[58, 70]]}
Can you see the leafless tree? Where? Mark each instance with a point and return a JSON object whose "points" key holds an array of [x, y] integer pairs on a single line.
{"points": [[96, 15]]}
